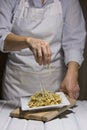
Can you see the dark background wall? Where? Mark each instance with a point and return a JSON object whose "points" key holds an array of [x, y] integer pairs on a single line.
{"points": [[82, 71], [3, 58]]}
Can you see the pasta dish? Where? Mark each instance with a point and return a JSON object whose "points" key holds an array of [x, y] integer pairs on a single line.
{"points": [[44, 98]]}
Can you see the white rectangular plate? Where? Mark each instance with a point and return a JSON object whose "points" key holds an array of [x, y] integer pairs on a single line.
{"points": [[25, 100]]}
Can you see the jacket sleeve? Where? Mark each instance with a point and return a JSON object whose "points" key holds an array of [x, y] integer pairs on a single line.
{"points": [[6, 14], [74, 32]]}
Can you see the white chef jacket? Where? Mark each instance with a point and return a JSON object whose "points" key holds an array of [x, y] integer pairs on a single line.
{"points": [[23, 75], [73, 30]]}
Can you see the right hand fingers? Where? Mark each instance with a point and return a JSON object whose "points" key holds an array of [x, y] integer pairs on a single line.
{"points": [[38, 56], [42, 52], [46, 53]]}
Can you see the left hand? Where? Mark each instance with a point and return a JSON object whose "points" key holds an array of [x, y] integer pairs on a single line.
{"points": [[70, 83]]}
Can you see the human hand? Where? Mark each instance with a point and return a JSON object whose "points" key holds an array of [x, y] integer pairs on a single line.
{"points": [[70, 83], [41, 50]]}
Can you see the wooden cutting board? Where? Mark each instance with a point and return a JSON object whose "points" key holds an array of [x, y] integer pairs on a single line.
{"points": [[42, 115]]}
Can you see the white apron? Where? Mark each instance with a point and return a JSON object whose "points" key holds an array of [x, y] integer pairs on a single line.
{"points": [[23, 76]]}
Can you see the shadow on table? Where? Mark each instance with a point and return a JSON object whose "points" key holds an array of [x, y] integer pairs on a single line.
{"points": [[66, 113]]}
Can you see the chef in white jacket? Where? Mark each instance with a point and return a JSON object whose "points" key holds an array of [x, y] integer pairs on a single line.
{"points": [[45, 41]]}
